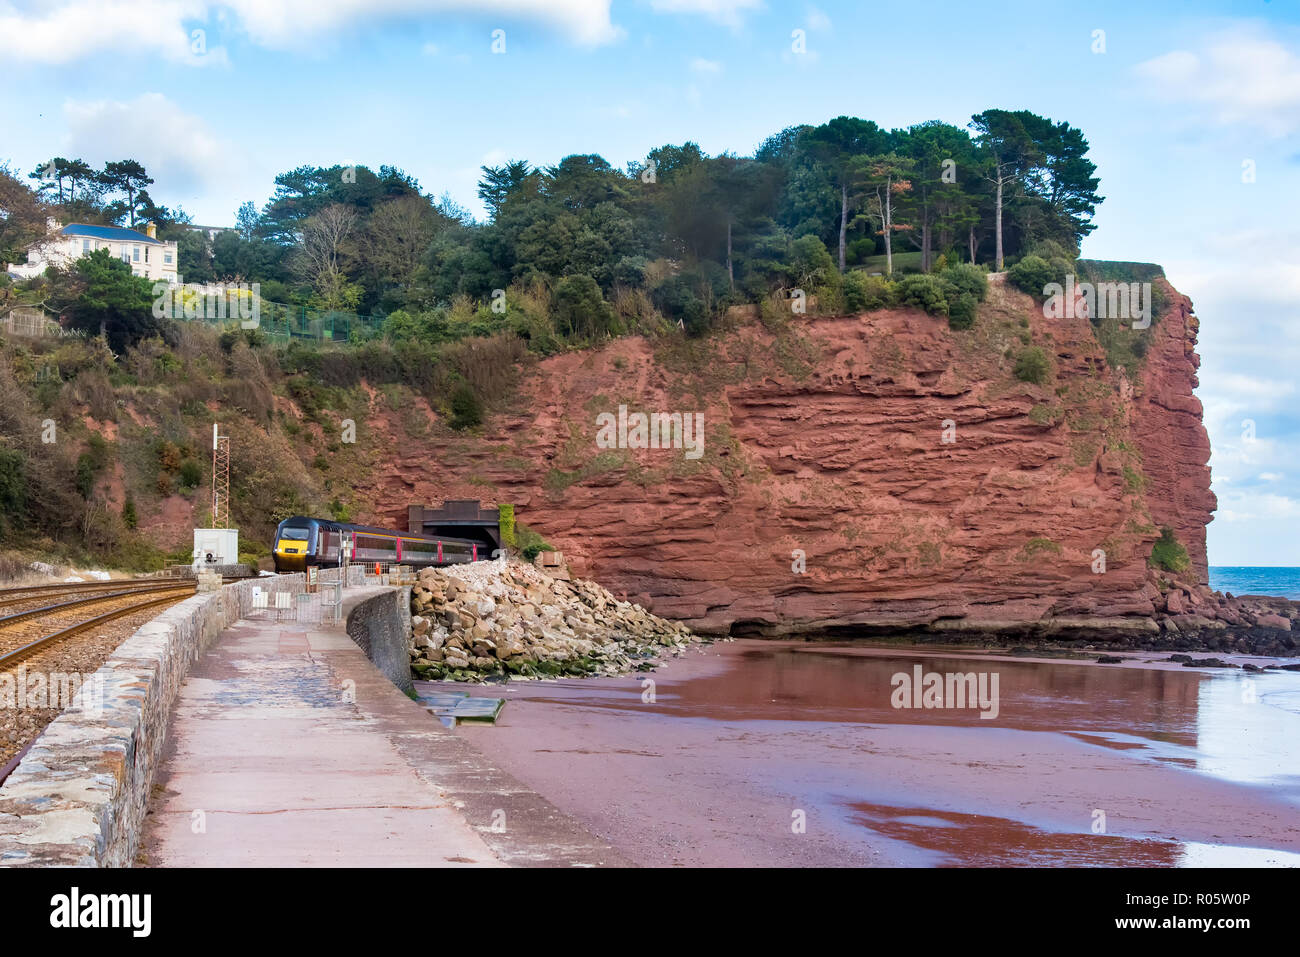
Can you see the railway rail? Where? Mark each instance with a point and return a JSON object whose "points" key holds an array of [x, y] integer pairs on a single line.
{"points": [[12, 591], [140, 595]]}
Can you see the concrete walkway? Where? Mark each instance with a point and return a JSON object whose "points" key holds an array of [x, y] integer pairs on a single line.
{"points": [[287, 747]]}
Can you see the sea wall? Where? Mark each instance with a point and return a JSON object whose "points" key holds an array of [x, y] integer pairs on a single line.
{"points": [[381, 627]]}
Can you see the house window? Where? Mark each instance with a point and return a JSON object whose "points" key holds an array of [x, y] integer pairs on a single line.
{"points": [[167, 257], [136, 254], [85, 246], [146, 253]]}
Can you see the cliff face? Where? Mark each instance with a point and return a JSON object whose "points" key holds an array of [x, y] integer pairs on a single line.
{"points": [[1175, 446], [860, 471]]}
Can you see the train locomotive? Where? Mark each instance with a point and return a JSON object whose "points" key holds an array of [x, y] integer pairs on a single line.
{"points": [[302, 542]]}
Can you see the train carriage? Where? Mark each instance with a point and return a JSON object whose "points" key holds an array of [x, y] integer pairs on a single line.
{"points": [[301, 542]]}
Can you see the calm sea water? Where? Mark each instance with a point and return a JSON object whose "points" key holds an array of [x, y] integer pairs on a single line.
{"points": [[1259, 580]]}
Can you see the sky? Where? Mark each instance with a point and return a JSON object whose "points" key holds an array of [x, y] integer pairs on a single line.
{"points": [[1192, 110]]}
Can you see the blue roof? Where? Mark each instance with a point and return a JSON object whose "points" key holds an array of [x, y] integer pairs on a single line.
{"points": [[116, 233]]}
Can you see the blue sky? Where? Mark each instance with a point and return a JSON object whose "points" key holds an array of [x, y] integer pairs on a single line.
{"points": [[1183, 94]]}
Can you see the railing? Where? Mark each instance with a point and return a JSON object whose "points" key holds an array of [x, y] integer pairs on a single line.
{"points": [[279, 320]]}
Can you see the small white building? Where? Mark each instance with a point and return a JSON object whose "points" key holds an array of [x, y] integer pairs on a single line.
{"points": [[147, 255]]}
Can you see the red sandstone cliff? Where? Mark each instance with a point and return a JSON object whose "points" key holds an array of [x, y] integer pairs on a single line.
{"points": [[828, 439], [1175, 446]]}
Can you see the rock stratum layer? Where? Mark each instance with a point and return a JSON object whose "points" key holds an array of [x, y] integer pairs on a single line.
{"points": [[861, 472]]}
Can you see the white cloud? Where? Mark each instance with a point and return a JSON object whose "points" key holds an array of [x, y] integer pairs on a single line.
{"points": [[1270, 476], [285, 23], [67, 30], [728, 12], [1241, 505], [817, 20], [180, 151], [1244, 77], [701, 65], [71, 29]]}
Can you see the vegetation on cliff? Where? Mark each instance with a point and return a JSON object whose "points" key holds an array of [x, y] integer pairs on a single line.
{"points": [[703, 255]]}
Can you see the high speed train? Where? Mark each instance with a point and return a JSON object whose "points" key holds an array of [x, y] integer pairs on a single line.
{"points": [[301, 542]]}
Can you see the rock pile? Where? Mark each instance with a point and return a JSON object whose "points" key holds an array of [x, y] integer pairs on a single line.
{"points": [[1191, 617], [500, 617]]}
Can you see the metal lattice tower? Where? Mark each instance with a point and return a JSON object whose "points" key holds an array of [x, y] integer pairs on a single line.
{"points": [[220, 479]]}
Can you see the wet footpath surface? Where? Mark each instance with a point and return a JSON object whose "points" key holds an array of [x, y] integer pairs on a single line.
{"points": [[794, 753], [287, 748]]}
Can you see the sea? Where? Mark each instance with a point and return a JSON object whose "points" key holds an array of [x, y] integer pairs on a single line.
{"points": [[1278, 580]]}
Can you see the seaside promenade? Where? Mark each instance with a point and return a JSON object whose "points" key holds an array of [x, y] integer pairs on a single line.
{"points": [[287, 747]]}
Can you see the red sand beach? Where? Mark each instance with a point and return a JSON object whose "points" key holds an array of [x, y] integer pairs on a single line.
{"points": [[1146, 764]]}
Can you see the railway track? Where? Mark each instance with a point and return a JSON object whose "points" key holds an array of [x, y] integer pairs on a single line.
{"points": [[11, 659], [43, 633], [15, 592]]}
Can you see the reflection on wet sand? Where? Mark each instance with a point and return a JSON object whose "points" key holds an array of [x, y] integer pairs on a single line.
{"points": [[977, 840], [826, 683], [1190, 766]]}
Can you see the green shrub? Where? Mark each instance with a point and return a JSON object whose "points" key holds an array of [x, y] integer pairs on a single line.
{"points": [[1032, 365], [961, 311], [91, 463], [506, 522], [924, 292], [191, 474], [863, 293], [129, 517], [967, 279], [1032, 274], [1169, 554], [466, 408], [13, 487], [860, 249], [530, 543]]}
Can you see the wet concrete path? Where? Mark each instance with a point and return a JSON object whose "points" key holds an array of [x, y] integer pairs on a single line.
{"points": [[288, 748]]}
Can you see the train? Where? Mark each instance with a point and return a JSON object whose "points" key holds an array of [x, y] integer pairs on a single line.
{"points": [[302, 542]]}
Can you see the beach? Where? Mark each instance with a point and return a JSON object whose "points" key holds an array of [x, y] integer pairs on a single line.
{"points": [[790, 753]]}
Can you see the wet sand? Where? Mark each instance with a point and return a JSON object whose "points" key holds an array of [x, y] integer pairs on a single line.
{"points": [[1142, 764]]}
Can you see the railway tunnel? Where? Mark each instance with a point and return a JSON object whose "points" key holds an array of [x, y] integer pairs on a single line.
{"points": [[459, 518]]}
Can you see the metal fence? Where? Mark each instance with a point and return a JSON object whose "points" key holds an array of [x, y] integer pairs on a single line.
{"points": [[281, 321]]}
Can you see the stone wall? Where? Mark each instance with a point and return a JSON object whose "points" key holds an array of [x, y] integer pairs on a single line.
{"points": [[79, 796], [381, 626]]}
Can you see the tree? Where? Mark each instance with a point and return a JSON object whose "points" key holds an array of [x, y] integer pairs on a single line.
{"points": [[1013, 154], [246, 220], [22, 218], [499, 182], [579, 309], [1065, 180], [937, 202], [130, 179], [111, 301], [320, 255], [398, 236], [884, 177], [837, 145]]}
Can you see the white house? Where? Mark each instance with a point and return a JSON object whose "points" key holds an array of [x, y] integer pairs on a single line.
{"points": [[147, 255]]}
